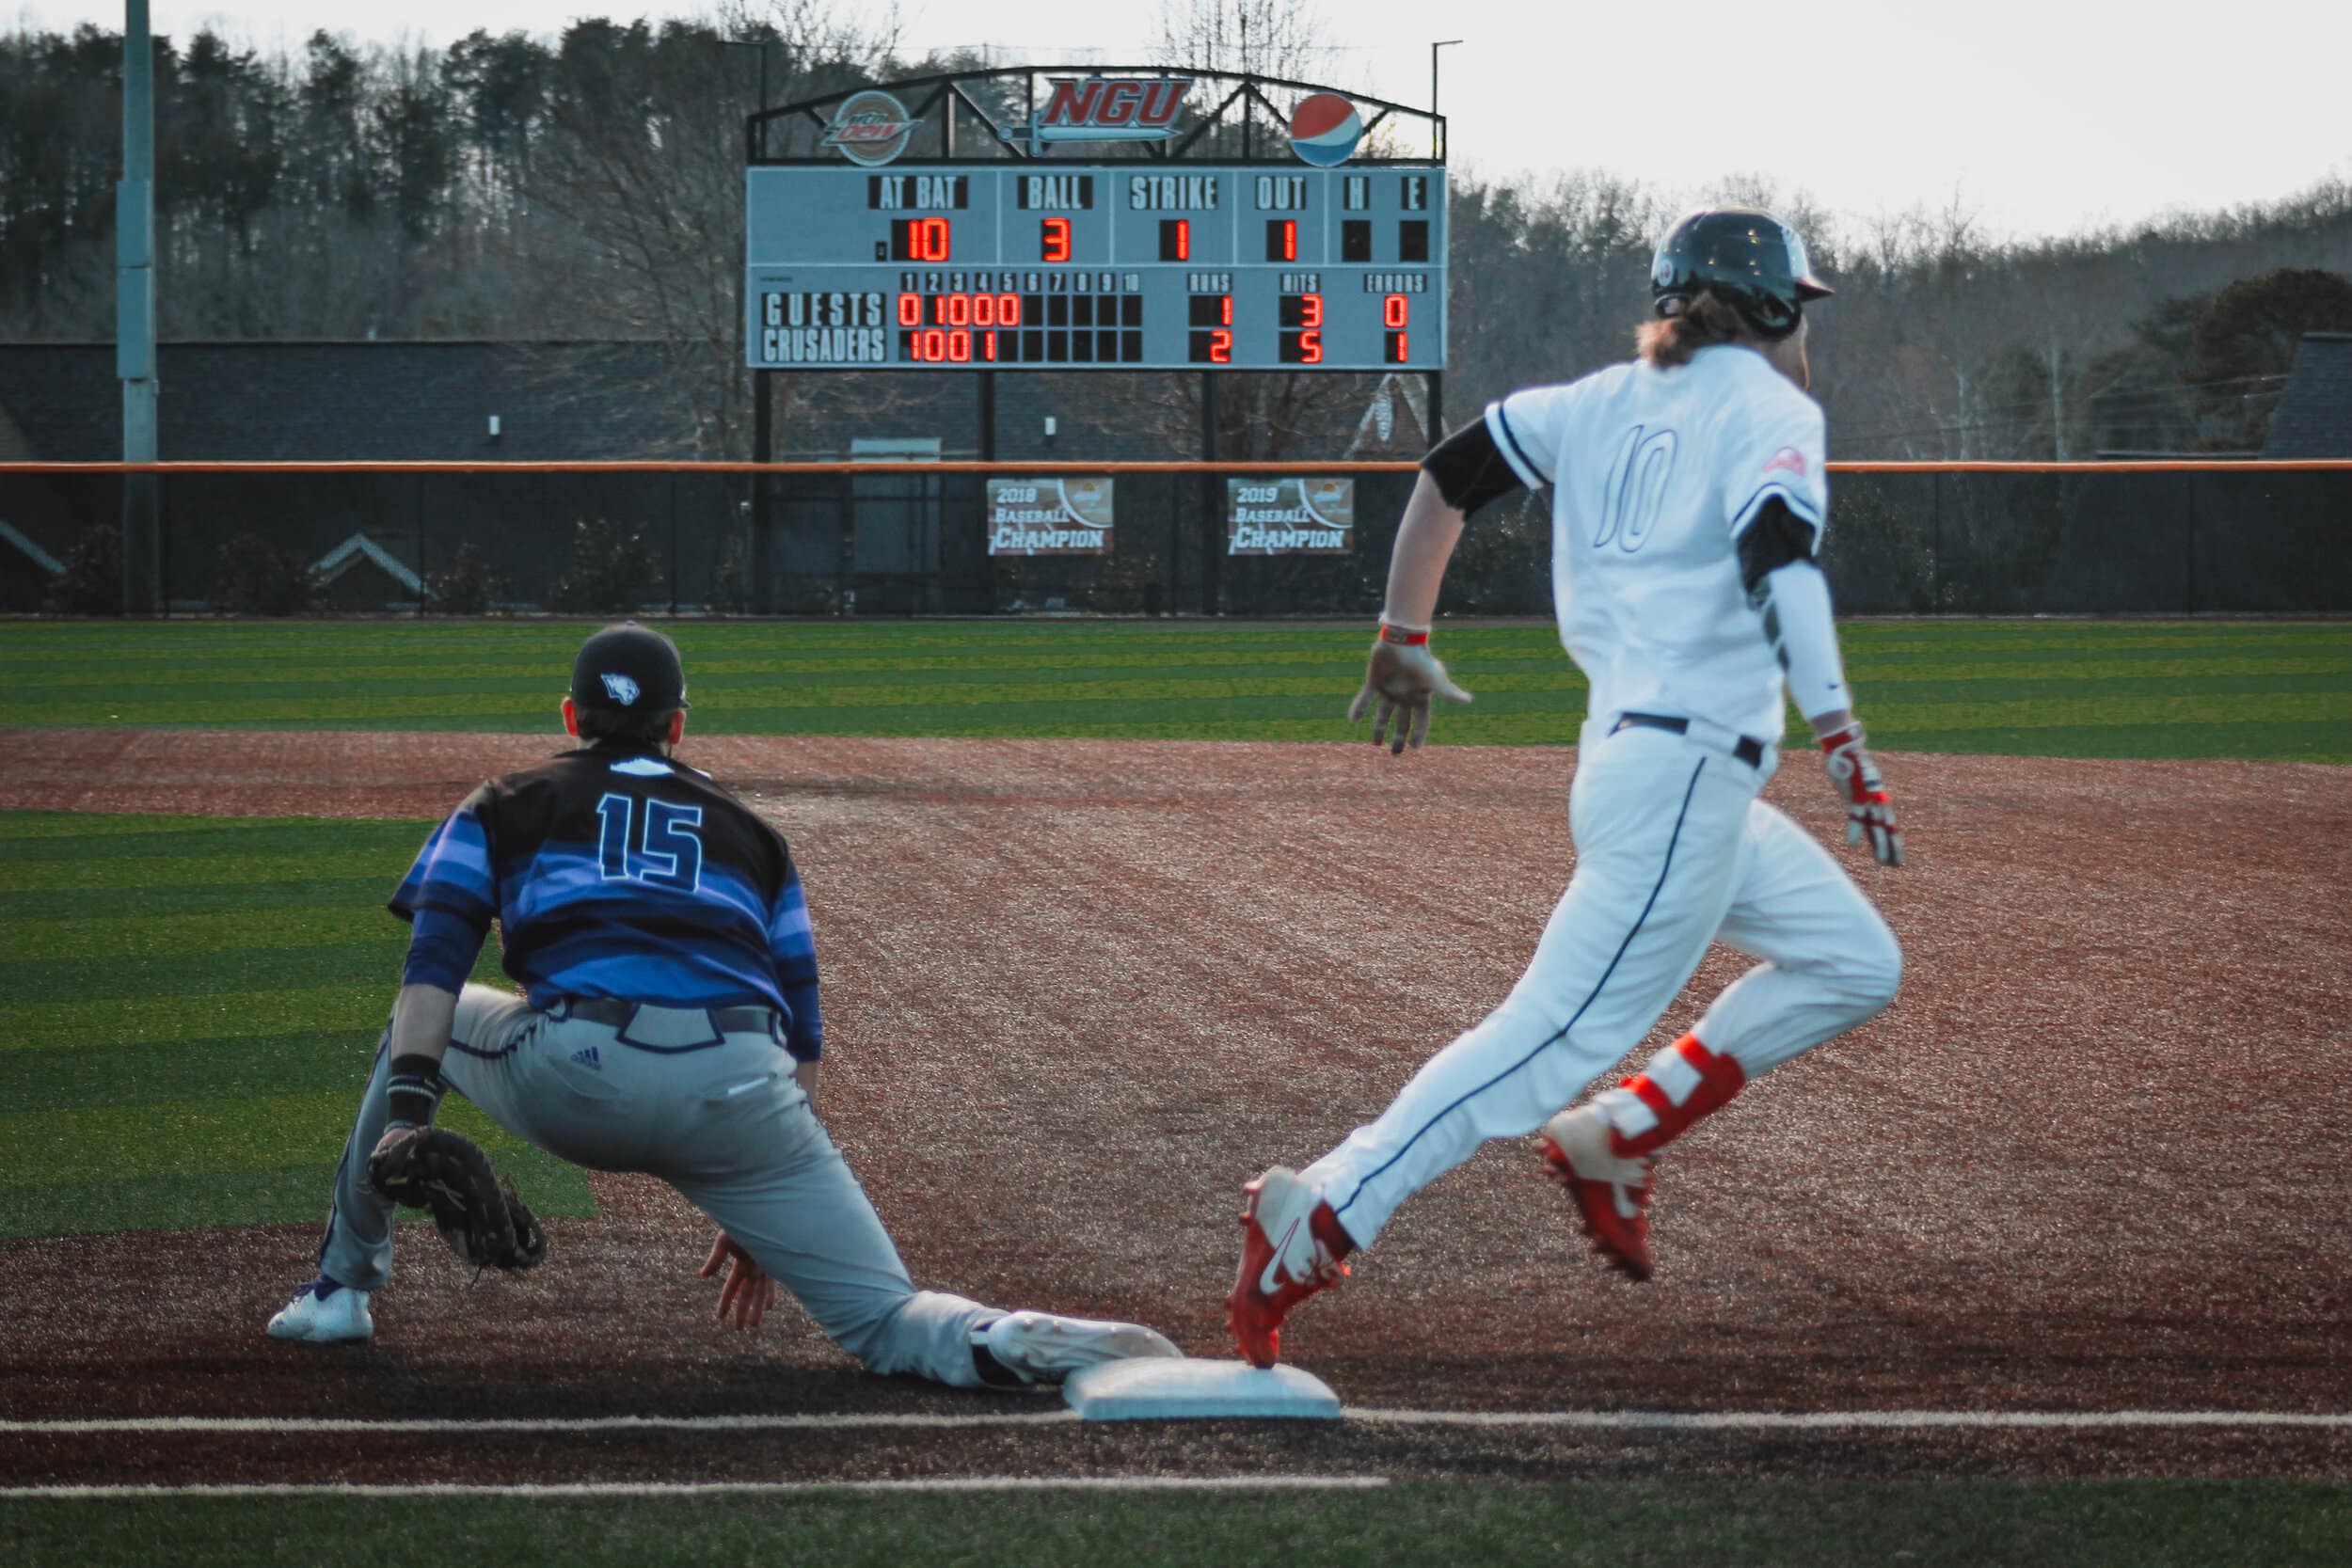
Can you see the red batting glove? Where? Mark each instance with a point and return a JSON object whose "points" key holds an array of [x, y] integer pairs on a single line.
{"points": [[1869, 808]]}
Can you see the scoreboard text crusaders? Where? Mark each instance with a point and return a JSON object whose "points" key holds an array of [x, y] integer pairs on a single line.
{"points": [[859, 261]]}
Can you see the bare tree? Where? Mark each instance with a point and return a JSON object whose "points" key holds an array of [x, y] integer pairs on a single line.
{"points": [[641, 180], [1264, 37]]}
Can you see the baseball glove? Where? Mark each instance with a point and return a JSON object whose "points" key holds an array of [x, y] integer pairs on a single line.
{"points": [[478, 1215]]}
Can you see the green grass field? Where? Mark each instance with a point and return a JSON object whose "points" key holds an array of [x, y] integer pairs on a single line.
{"points": [[131, 943], [2259, 690], [266, 940], [1641, 1524], [130, 946]]}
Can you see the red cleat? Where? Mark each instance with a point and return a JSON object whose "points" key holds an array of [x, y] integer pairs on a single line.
{"points": [[1292, 1243], [1611, 1190]]}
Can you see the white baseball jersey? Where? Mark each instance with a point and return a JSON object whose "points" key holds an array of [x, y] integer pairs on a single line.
{"points": [[1656, 474]]}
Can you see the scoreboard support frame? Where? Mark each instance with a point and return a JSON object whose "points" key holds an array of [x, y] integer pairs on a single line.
{"points": [[1238, 124]]}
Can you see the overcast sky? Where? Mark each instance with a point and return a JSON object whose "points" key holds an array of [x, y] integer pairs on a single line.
{"points": [[2042, 116]]}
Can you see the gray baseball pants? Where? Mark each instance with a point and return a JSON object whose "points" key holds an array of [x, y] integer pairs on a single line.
{"points": [[722, 1121]]}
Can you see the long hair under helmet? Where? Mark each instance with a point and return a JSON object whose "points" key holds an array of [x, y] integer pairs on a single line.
{"points": [[1749, 259]]}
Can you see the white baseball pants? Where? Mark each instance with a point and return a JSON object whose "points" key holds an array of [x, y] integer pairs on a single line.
{"points": [[726, 1124], [1674, 851]]}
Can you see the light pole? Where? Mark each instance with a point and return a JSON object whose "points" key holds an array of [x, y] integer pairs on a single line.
{"points": [[1434, 150], [143, 591]]}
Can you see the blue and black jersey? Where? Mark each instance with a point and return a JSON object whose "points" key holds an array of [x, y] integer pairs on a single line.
{"points": [[616, 873]]}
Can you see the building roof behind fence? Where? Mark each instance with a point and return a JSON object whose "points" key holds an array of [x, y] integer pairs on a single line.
{"points": [[2315, 414]]}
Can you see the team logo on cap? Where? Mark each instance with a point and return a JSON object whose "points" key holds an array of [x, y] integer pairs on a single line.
{"points": [[1324, 129], [870, 128], [620, 689]]}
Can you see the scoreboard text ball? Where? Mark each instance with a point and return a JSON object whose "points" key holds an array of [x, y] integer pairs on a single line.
{"points": [[1117, 266]]}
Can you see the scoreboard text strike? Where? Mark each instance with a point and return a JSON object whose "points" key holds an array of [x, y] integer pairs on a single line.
{"points": [[1121, 266]]}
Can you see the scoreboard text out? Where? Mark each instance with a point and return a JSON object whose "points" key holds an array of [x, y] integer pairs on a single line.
{"points": [[1110, 266]]}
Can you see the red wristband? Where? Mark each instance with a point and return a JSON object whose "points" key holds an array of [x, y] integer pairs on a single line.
{"points": [[1401, 635]]}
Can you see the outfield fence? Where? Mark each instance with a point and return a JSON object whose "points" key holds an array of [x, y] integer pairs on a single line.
{"points": [[899, 538]]}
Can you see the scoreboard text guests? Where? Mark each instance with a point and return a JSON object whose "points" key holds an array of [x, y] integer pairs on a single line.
{"points": [[1112, 267]]}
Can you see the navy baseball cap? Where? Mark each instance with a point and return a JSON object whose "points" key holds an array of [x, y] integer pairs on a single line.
{"points": [[628, 669]]}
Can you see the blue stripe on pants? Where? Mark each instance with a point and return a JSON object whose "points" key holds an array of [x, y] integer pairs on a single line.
{"points": [[1559, 1034]]}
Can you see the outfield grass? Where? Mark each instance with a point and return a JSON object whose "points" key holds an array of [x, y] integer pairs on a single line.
{"points": [[2255, 690], [136, 946], [2147, 1523], [199, 998]]}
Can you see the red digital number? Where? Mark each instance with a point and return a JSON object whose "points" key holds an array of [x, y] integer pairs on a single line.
{"points": [[930, 346], [1221, 347], [1009, 310], [926, 239], [1225, 309], [1393, 311], [909, 309], [960, 346], [1310, 344], [1310, 311], [1184, 239], [1054, 239], [959, 309], [988, 345]]}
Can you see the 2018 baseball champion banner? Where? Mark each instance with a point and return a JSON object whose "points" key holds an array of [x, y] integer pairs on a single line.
{"points": [[1049, 517], [1290, 516]]}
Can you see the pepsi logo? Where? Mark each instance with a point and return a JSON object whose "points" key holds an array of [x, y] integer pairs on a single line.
{"points": [[1324, 129], [870, 128]]}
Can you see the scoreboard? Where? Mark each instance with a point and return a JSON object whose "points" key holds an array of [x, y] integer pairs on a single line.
{"points": [[1139, 266]]}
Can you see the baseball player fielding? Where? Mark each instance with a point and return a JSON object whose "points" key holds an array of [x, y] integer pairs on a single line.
{"points": [[669, 1025]]}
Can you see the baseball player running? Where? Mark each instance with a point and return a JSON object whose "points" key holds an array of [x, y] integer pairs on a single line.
{"points": [[1688, 498], [670, 1025]]}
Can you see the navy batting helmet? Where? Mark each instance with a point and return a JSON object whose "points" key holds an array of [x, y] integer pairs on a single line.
{"points": [[1752, 261]]}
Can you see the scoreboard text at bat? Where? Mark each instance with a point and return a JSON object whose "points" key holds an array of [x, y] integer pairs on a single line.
{"points": [[1109, 266]]}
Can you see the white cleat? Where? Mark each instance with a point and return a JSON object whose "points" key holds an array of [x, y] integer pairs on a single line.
{"points": [[325, 1313], [1039, 1347]]}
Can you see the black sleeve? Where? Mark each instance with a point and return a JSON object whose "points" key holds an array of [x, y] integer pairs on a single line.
{"points": [[1469, 469], [1773, 538]]}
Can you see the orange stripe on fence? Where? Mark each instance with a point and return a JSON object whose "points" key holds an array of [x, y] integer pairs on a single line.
{"points": [[1282, 466], [902, 469]]}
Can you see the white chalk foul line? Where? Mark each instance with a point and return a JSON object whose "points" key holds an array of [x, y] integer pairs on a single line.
{"points": [[557, 1490], [1590, 1420], [535, 1425], [1858, 1421]]}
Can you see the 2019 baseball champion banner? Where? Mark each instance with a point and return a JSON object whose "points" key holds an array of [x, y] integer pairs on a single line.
{"points": [[1290, 516], [1050, 517]]}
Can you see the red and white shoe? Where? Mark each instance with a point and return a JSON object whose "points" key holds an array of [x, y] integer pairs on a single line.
{"points": [[1611, 1190], [1291, 1248]]}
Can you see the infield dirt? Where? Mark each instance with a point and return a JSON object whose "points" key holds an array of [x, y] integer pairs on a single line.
{"points": [[2095, 1158]]}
